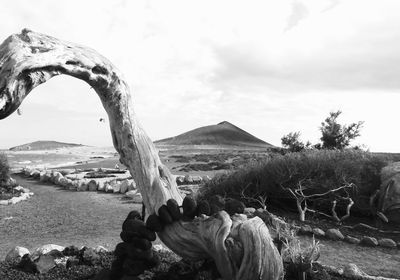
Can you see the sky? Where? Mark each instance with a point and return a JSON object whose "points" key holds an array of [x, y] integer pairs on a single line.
{"points": [[269, 67]]}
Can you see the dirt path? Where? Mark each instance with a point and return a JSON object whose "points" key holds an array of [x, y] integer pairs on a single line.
{"points": [[374, 261], [57, 216]]}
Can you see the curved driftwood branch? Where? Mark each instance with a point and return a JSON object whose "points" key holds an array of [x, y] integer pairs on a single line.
{"points": [[242, 248]]}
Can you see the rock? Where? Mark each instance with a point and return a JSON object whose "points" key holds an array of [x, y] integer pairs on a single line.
{"points": [[352, 240], [197, 179], [101, 186], [90, 256], [249, 211], [116, 186], [27, 265], [100, 249], [132, 185], [108, 188], [3, 202], [124, 186], [72, 261], [71, 251], [45, 263], [188, 180], [82, 186], [135, 196], [45, 177], [15, 200], [15, 254], [56, 176], [180, 180], [64, 182], [306, 229], [318, 232], [369, 241], [334, 234], [387, 242], [92, 186], [35, 174], [389, 193], [45, 249], [352, 271]]}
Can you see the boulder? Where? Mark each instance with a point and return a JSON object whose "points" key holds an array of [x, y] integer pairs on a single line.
{"points": [[15, 254], [90, 256], [124, 185], [389, 193], [306, 229], [108, 188], [135, 196], [3, 202], [334, 234], [45, 249], [99, 249], [45, 263], [188, 180], [387, 242], [101, 186], [132, 185], [116, 186], [82, 185], [45, 176], [352, 240], [369, 241], [197, 179], [92, 186], [180, 180], [318, 232], [35, 174], [56, 176]]}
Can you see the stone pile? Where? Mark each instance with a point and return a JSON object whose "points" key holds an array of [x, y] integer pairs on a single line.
{"points": [[191, 180], [46, 257], [135, 254], [24, 195]]}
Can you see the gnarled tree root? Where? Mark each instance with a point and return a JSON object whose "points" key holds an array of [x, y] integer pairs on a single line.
{"points": [[242, 248]]}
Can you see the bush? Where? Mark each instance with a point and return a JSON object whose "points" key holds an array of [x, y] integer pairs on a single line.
{"points": [[318, 171], [4, 169]]}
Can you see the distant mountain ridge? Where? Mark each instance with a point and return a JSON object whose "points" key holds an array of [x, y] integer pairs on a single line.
{"points": [[43, 145], [223, 133]]}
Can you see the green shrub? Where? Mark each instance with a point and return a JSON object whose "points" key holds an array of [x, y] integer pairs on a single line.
{"points": [[318, 171], [4, 169]]}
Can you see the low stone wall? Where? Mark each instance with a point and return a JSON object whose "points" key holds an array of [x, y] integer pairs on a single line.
{"points": [[69, 180], [336, 235]]}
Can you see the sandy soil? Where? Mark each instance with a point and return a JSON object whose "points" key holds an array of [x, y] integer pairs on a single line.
{"points": [[57, 216]]}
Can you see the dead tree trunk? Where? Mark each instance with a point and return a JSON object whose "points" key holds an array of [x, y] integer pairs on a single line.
{"points": [[242, 248]]}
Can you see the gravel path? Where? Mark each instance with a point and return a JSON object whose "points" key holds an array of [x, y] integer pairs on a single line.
{"points": [[54, 215]]}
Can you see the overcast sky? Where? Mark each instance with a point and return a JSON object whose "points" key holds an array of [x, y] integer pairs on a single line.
{"points": [[269, 67]]}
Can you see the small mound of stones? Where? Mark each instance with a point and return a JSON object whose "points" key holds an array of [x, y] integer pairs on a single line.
{"points": [[24, 195], [47, 257]]}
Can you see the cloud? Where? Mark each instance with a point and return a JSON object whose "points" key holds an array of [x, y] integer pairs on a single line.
{"points": [[299, 12]]}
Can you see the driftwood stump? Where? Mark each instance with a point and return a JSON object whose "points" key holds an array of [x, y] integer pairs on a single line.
{"points": [[242, 248]]}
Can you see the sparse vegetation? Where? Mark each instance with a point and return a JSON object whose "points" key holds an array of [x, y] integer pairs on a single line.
{"points": [[309, 172]]}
